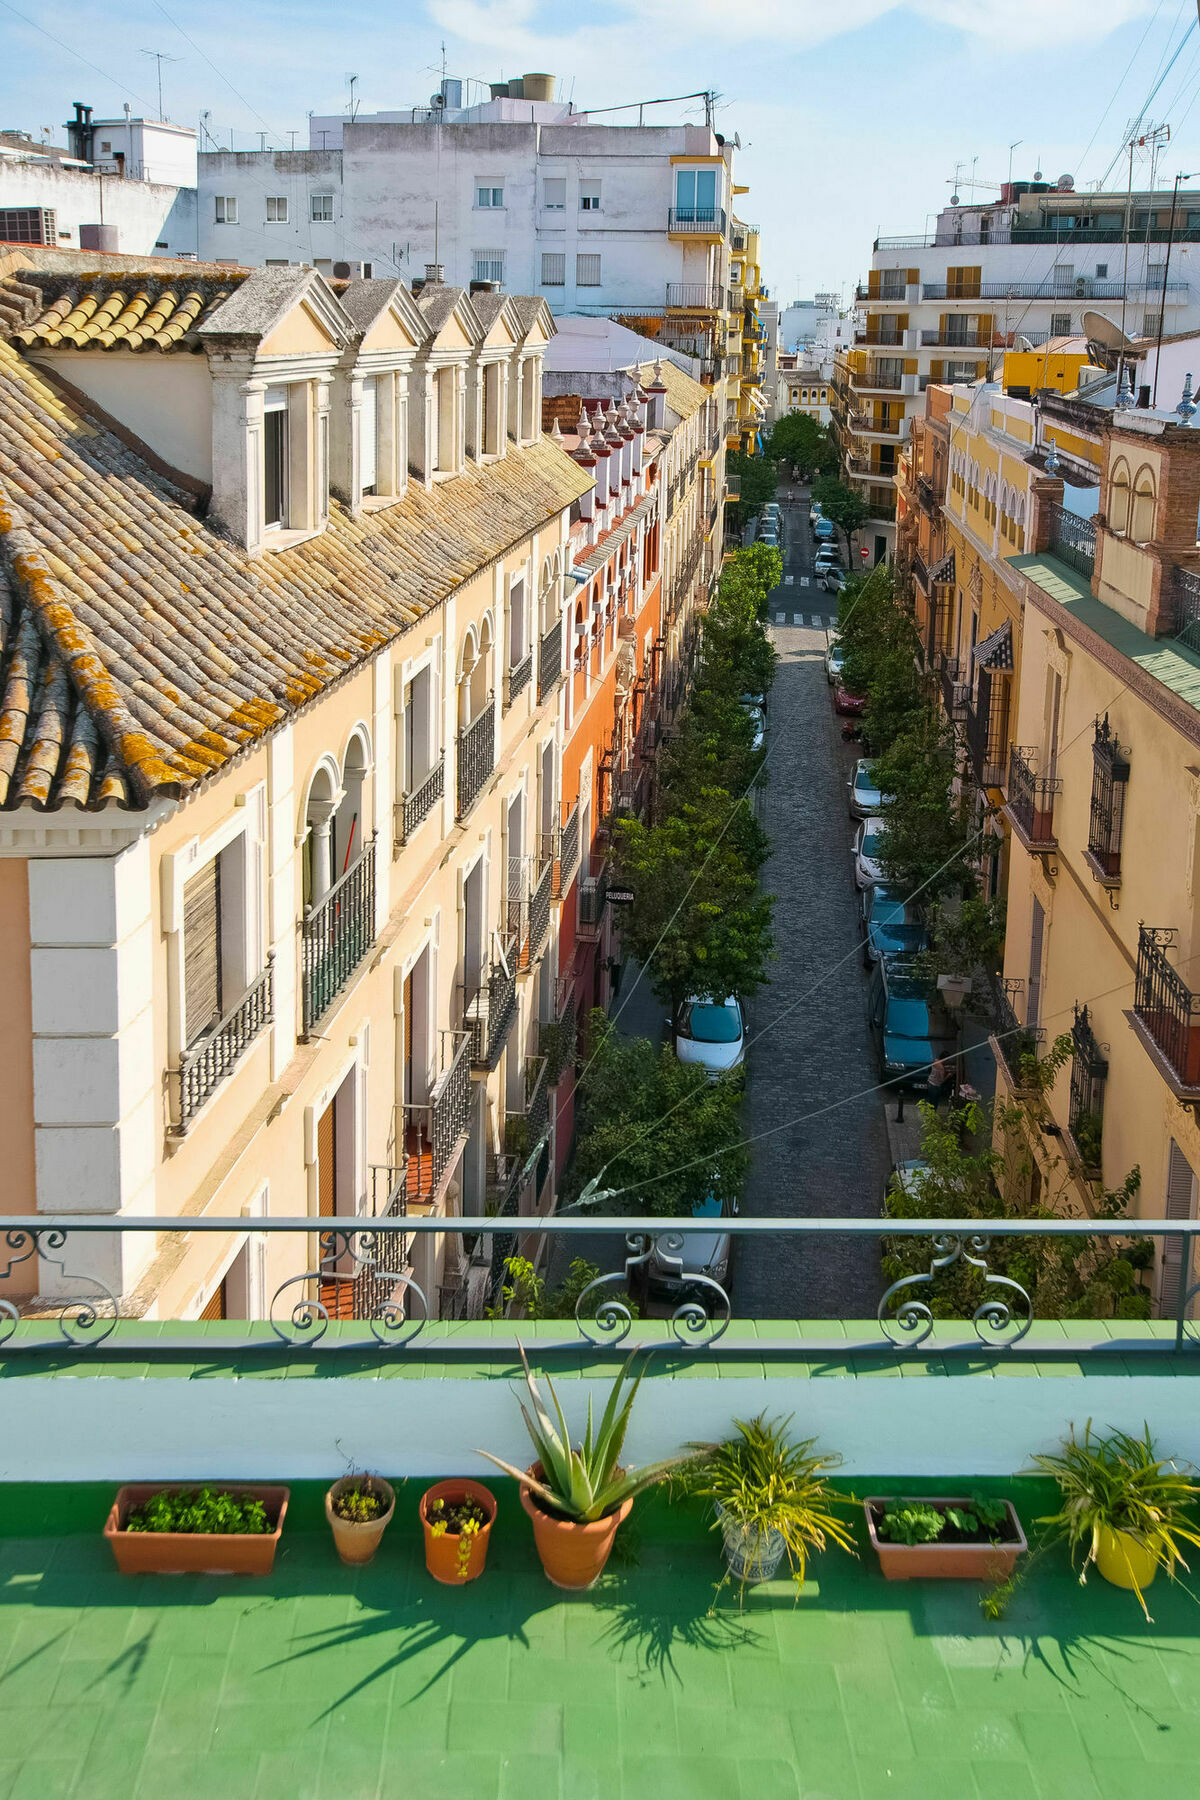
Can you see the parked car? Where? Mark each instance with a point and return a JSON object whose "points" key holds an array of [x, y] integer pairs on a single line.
{"points": [[910, 1026], [712, 1033], [848, 704], [866, 801], [868, 841], [835, 661], [771, 510], [828, 557], [705, 1253], [890, 927], [769, 536], [815, 515], [757, 717], [834, 580], [824, 529]]}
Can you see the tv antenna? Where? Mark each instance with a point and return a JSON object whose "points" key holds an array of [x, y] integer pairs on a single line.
{"points": [[160, 57], [353, 107]]}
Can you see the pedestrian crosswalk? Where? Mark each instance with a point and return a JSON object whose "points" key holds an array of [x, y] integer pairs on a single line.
{"points": [[810, 621]]}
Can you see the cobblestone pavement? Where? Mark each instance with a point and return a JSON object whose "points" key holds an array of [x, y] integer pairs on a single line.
{"points": [[815, 1047]]}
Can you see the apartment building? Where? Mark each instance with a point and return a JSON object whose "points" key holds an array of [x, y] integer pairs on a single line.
{"points": [[284, 837], [1038, 264]]}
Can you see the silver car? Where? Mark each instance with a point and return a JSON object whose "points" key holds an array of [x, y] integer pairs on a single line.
{"points": [[866, 801], [671, 1273]]}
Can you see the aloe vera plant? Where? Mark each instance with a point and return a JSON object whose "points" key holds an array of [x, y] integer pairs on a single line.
{"points": [[586, 1483]]}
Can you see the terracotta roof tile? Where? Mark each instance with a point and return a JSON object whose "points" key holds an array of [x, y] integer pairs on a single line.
{"points": [[112, 311], [139, 651]]}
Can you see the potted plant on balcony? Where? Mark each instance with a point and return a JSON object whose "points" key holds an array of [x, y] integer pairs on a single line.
{"points": [[1128, 1510], [457, 1517], [577, 1497], [770, 1497], [359, 1509], [974, 1538], [222, 1528]]}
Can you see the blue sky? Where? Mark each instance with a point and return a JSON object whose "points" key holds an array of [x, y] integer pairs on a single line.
{"points": [[852, 114]]}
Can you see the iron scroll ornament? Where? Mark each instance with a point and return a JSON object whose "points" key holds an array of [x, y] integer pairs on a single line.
{"points": [[350, 1255], [85, 1319], [994, 1320], [611, 1320]]}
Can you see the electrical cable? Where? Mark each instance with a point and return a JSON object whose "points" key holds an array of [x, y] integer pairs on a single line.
{"points": [[254, 113], [71, 51]]}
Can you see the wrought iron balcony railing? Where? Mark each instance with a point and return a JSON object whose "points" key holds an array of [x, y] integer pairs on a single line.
{"points": [[204, 1065], [529, 911], [987, 728], [697, 295], [1166, 1013], [420, 801], [1030, 800], [566, 851], [1072, 539], [335, 935], [1013, 1042], [476, 756], [593, 897], [1089, 1074], [490, 1005], [550, 660], [699, 221], [557, 1037], [517, 679], [1187, 607], [435, 1130]]}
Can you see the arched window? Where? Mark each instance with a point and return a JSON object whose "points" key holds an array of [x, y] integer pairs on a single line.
{"points": [[1118, 497], [1141, 516]]}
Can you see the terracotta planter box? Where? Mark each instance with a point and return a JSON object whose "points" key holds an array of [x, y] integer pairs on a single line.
{"points": [[945, 1561], [194, 1553]]}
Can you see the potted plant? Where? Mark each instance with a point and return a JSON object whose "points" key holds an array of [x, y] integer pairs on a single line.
{"points": [[1125, 1507], [973, 1539], [576, 1497], [222, 1528], [359, 1509], [457, 1517], [770, 1497]]}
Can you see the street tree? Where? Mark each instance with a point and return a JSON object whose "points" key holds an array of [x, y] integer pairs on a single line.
{"points": [[840, 504], [654, 1129], [929, 831], [757, 480], [800, 440]]}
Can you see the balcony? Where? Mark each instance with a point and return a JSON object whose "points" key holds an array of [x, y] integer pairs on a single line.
{"points": [[704, 222], [1187, 607], [529, 910], [953, 340], [420, 801], [1013, 1043], [558, 1036], [566, 851], [876, 381], [517, 679], [987, 728], [335, 936], [490, 1005], [1072, 539], [435, 1130], [593, 898], [695, 296], [1081, 287], [1166, 1013], [1030, 804], [550, 660], [476, 757], [204, 1065]]}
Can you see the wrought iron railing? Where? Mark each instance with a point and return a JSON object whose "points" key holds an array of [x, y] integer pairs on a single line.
{"points": [[64, 1297], [1089, 1073], [557, 1037], [517, 679], [1072, 539], [987, 728], [1187, 607], [418, 804], [529, 911], [550, 660], [1110, 775], [1030, 799], [476, 756], [1166, 1009], [1015, 1042], [697, 294], [436, 1129], [489, 1006], [593, 897], [335, 935], [707, 221], [566, 851], [203, 1066]]}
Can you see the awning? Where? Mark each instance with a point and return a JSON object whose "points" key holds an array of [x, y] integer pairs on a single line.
{"points": [[996, 650], [943, 570]]}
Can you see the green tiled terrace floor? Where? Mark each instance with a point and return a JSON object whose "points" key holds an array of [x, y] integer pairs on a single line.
{"points": [[323, 1682]]}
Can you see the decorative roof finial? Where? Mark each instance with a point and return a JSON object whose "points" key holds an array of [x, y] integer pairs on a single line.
{"points": [[1125, 391], [1052, 459], [1187, 405], [556, 430]]}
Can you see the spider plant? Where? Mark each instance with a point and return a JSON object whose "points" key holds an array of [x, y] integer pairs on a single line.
{"points": [[1117, 1483], [587, 1483], [762, 1482]]}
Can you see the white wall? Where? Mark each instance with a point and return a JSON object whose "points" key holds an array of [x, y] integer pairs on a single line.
{"points": [[151, 220], [103, 1428], [167, 401]]}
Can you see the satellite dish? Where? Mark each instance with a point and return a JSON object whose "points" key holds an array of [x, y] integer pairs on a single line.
{"points": [[954, 201], [737, 142], [1066, 184], [1022, 343], [1106, 341]]}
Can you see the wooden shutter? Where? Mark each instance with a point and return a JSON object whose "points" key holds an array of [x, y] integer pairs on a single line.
{"points": [[1033, 993], [1176, 1264], [215, 1309], [202, 951], [326, 1158]]}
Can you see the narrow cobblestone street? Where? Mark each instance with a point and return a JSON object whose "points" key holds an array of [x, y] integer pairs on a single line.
{"points": [[825, 1155]]}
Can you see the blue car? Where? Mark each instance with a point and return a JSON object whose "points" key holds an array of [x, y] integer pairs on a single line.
{"points": [[824, 531], [890, 928], [911, 1027]]}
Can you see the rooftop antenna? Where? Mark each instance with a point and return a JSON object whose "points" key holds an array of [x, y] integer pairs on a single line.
{"points": [[262, 140], [1015, 145], [353, 107], [160, 57]]}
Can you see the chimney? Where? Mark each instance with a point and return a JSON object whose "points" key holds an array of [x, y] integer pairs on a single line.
{"points": [[435, 274], [583, 455]]}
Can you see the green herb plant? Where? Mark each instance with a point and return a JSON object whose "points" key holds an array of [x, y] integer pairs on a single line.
{"points": [[586, 1483], [463, 1519], [763, 1482], [360, 1502], [918, 1523], [911, 1524], [203, 1510]]}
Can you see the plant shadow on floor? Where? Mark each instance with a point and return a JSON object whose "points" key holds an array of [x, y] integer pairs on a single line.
{"points": [[632, 1619]]}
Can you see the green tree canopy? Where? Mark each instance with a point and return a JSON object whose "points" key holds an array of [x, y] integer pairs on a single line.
{"points": [[800, 440], [841, 504], [644, 1116], [757, 480], [928, 827]]}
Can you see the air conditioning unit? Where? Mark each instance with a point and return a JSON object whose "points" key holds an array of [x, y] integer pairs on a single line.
{"points": [[347, 271]]}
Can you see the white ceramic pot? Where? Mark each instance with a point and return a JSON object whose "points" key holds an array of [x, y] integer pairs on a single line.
{"points": [[752, 1555]]}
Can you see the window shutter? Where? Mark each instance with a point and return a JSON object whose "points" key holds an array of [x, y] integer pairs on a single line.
{"points": [[1176, 1265], [554, 268], [587, 271], [367, 438], [202, 951]]}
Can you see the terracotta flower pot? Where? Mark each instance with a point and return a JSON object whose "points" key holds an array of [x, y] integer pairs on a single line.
{"points": [[448, 1557], [356, 1541], [1124, 1560], [942, 1561], [194, 1553], [573, 1556]]}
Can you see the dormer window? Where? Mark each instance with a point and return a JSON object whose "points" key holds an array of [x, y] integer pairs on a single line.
{"points": [[275, 458]]}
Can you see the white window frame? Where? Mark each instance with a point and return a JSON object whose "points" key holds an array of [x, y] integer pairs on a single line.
{"points": [[322, 217], [491, 189], [225, 209], [485, 263], [277, 201], [590, 197], [557, 183]]}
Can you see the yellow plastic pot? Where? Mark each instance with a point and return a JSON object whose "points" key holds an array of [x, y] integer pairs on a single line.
{"points": [[1124, 1560]]}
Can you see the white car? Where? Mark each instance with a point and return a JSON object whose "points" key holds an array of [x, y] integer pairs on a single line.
{"points": [[866, 801], [712, 1033], [835, 662], [868, 842], [834, 580]]}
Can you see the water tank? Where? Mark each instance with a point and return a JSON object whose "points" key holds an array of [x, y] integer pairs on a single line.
{"points": [[516, 88], [452, 92], [499, 90], [537, 87], [104, 238]]}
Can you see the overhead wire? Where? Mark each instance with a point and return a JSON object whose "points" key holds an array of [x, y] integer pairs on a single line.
{"points": [[71, 51]]}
